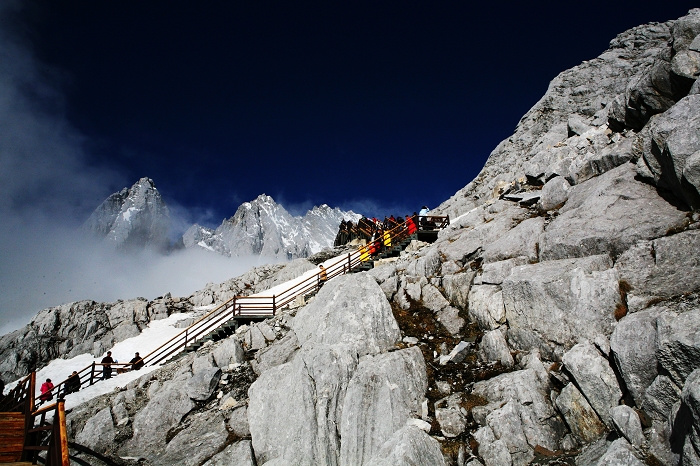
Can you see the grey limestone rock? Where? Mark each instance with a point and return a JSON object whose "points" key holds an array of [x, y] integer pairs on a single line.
{"points": [[349, 309], [660, 397], [164, 411], [495, 220], [660, 268], [486, 306], [229, 351], [634, 345], [201, 386], [295, 408], [554, 193], [679, 345], [691, 404], [669, 143], [238, 422], [236, 454], [386, 391], [583, 421], [577, 125], [203, 438], [451, 416], [627, 423], [621, 453], [278, 353], [607, 215], [493, 347], [99, 432], [456, 288], [493, 450], [562, 302], [494, 273], [407, 447], [457, 354], [518, 415], [520, 241], [595, 377]]}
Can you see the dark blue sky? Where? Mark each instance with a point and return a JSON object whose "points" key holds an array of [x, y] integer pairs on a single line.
{"points": [[373, 106]]}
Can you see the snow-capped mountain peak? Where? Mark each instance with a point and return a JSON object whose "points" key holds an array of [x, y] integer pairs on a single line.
{"points": [[264, 227]]}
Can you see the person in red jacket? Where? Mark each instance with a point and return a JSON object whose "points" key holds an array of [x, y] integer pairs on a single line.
{"points": [[410, 225], [46, 393]]}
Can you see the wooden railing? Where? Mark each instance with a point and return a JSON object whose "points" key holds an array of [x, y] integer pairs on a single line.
{"points": [[44, 428], [250, 306], [47, 432], [21, 397]]}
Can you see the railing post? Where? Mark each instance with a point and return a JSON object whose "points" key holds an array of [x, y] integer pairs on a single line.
{"points": [[349, 263], [274, 306], [92, 373], [187, 332], [233, 309]]}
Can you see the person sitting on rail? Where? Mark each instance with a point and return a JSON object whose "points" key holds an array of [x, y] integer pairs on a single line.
{"points": [[136, 362], [423, 214]]}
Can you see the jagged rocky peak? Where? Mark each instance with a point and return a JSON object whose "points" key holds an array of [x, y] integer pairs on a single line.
{"points": [[134, 217], [264, 227]]}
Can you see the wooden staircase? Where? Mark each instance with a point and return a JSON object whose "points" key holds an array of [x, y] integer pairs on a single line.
{"points": [[27, 434]]}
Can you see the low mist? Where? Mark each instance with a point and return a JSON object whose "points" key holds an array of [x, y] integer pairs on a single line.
{"points": [[44, 265]]}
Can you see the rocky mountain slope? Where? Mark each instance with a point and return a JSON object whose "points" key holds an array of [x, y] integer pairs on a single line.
{"points": [[556, 321], [263, 227], [135, 217]]}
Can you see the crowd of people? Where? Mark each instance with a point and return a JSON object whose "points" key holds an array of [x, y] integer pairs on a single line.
{"points": [[369, 229], [375, 235]]}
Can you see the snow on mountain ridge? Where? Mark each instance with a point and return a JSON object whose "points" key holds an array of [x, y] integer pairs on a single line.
{"points": [[263, 227], [133, 217]]}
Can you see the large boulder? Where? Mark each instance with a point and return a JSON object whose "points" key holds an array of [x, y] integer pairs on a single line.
{"points": [[520, 241], [691, 403], [634, 345], [407, 447], [582, 420], [679, 345], [202, 439], [661, 268], [518, 416], [99, 432], [386, 391], [295, 407], [608, 214], [564, 301], [349, 309], [596, 379], [670, 145]]}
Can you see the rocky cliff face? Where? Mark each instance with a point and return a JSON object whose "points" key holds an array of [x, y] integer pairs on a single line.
{"points": [[263, 227], [557, 319], [135, 217]]}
